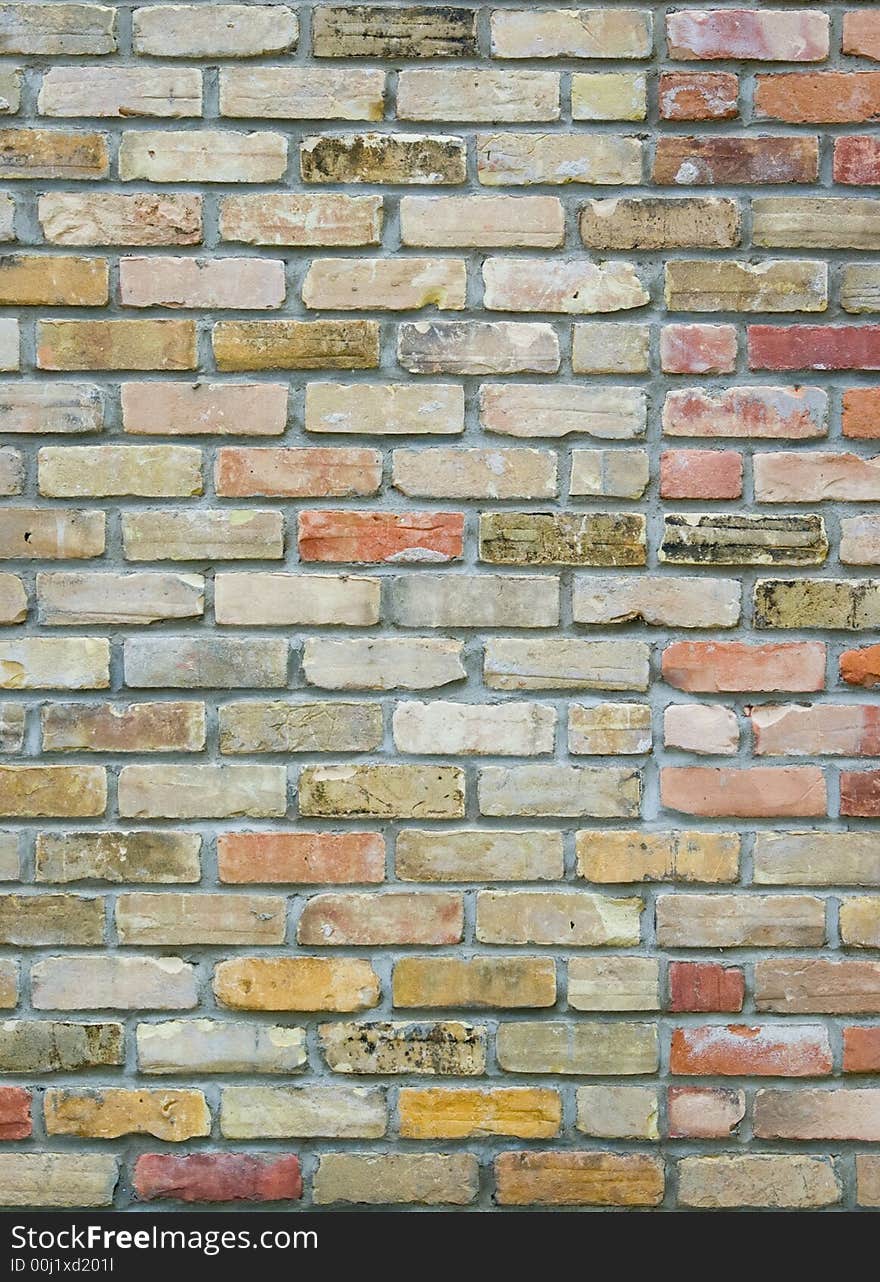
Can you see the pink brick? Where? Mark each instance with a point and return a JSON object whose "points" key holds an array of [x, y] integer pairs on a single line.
{"points": [[737, 1050], [759, 791], [380, 536], [830, 729], [713, 666], [698, 349], [295, 473], [861, 33], [704, 1112], [703, 728], [204, 409], [792, 413], [811, 478], [795, 35], [304, 858], [701, 474]]}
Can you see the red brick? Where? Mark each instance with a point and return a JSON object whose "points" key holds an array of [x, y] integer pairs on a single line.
{"points": [[733, 666], [861, 1049], [819, 97], [861, 413], [860, 793], [814, 346], [217, 1177], [698, 95], [861, 33], [698, 349], [857, 161], [776, 36], [719, 160], [737, 1050], [380, 536], [762, 791], [15, 1113], [700, 474], [861, 667], [303, 858], [295, 473], [703, 1112], [705, 986]]}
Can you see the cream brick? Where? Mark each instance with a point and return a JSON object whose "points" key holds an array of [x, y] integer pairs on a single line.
{"points": [[534, 222], [478, 94], [220, 31], [206, 156], [522, 159], [385, 409], [121, 91], [446, 729], [302, 93]]}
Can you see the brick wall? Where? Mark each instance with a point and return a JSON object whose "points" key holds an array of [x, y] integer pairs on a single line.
{"points": [[439, 697]]}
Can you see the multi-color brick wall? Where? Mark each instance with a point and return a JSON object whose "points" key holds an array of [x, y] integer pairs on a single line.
{"points": [[438, 695]]}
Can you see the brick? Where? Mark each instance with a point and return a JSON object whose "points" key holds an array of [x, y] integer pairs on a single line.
{"points": [[777, 1180], [243, 472], [275, 599], [195, 409], [447, 729], [479, 982], [758, 412], [426, 1179], [147, 471], [599, 792], [223, 31], [816, 858], [774, 285], [622, 856], [435, 1113], [861, 35], [522, 159], [867, 1193], [617, 1112], [305, 727], [382, 663], [860, 792], [817, 985], [701, 474], [282, 344], [701, 728], [860, 667], [118, 856], [819, 97], [609, 728], [614, 983], [578, 1179], [70, 792], [856, 161], [217, 1177], [647, 223], [610, 347], [208, 156], [859, 290], [511, 663], [738, 1050], [106, 982], [732, 666], [818, 729], [814, 1114], [478, 94], [816, 603], [569, 286], [116, 344], [609, 95], [68, 598], [201, 283], [705, 986], [61, 534], [276, 1112], [797, 35], [302, 93], [527, 222], [860, 1050], [740, 920], [62, 280], [430, 1049], [58, 29], [385, 409], [296, 983], [421, 159], [393, 917], [703, 1112], [379, 31], [760, 791], [120, 92], [35, 920], [307, 219], [815, 222], [175, 919], [477, 347], [370, 537], [571, 919], [12, 732], [811, 478], [571, 33], [13, 609], [475, 473], [8, 985], [70, 1180], [728, 160], [478, 855], [211, 792], [600, 539], [383, 791], [11, 472], [15, 1113], [108, 1114], [698, 349], [657, 600], [139, 727], [404, 284], [110, 218], [53, 407], [818, 347], [580, 1048], [47, 1046], [619, 474], [222, 535], [859, 922], [698, 95], [52, 153], [186, 663], [307, 858], [743, 540], [441, 601]]}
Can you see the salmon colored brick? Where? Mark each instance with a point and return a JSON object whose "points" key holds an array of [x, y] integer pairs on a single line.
{"points": [[860, 793], [297, 473], [861, 413], [701, 474], [819, 97], [704, 1112], [857, 161], [861, 33], [711, 666], [217, 1177], [861, 1049], [305, 858], [705, 986], [698, 95], [380, 536], [15, 1113], [698, 349], [761, 792], [861, 667], [715, 161], [740, 1050]]}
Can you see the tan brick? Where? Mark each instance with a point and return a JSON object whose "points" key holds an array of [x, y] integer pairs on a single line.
{"points": [[47, 1046], [529, 1112], [104, 982], [661, 222], [121, 91], [208, 1046], [584, 1048], [300, 727], [609, 95], [379, 31], [534, 222], [108, 218], [475, 473], [427, 1179], [472, 601], [740, 920], [478, 982], [610, 347], [478, 94], [279, 1112], [383, 663], [773, 285], [617, 474], [13, 605], [58, 29], [614, 983], [282, 344], [196, 663], [578, 1179], [117, 856], [401, 284], [608, 729], [148, 471], [540, 409], [210, 792], [296, 983], [618, 1112], [393, 790], [486, 855], [113, 727], [245, 283], [196, 409], [36, 920], [52, 153], [297, 473], [70, 1180], [446, 729], [11, 472], [524, 538], [70, 598], [175, 919], [207, 156], [571, 286], [390, 917], [777, 1180], [55, 791], [116, 344], [571, 33], [58, 534], [522, 159], [311, 218], [50, 663], [222, 535], [678, 602], [302, 93], [385, 409], [477, 347], [816, 858], [252, 598], [60, 280], [107, 1114], [571, 918], [600, 792], [815, 222], [222, 31]]}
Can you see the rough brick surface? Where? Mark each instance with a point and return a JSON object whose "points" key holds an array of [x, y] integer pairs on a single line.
{"points": [[440, 584]]}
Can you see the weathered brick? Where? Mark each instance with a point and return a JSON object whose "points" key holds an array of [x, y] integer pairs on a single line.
{"points": [[817, 1114], [442, 728], [698, 95], [384, 791], [475, 473], [617, 1112], [244, 283], [310, 218], [817, 603], [856, 161], [52, 153], [522, 159], [108, 1114], [569, 286], [861, 34], [797, 35], [250, 598], [787, 412], [573, 918], [393, 917], [761, 791], [71, 598], [199, 918], [15, 1113], [713, 666], [276, 1112], [320, 858], [383, 158], [58, 29], [662, 601], [511, 663], [217, 1177], [427, 1179], [702, 728], [479, 982], [223, 31], [521, 538], [424, 855], [405, 284], [70, 1180], [283, 344], [610, 347], [110, 727], [609, 728], [528, 222], [740, 920], [817, 985], [188, 663], [304, 727], [621, 856], [367, 537], [302, 93], [129, 856], [478, 347], [70, 792], [382, 663], [47, 1046], [614, 983], [110, 218], [108, 982], [379, 31], [776, 1180], [296, 983], [816, 858], [861, 667], [116, 344], [740, 1050], [385, 409], [578, 1179], [706, 161], [785, 347], [223, 535], [618, 474], [701, 474], [121, 92], [705, 986], [774, 285], [440, 601], [577, 1047], [58, 534], [645, 223], [443, 1048], [600, 792], [609, 95], [206, 156], [703, 1112], [186, 792], [815, 222]]}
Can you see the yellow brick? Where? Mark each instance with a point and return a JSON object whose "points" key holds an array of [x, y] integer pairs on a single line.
{"points": [[526, 1112]]}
